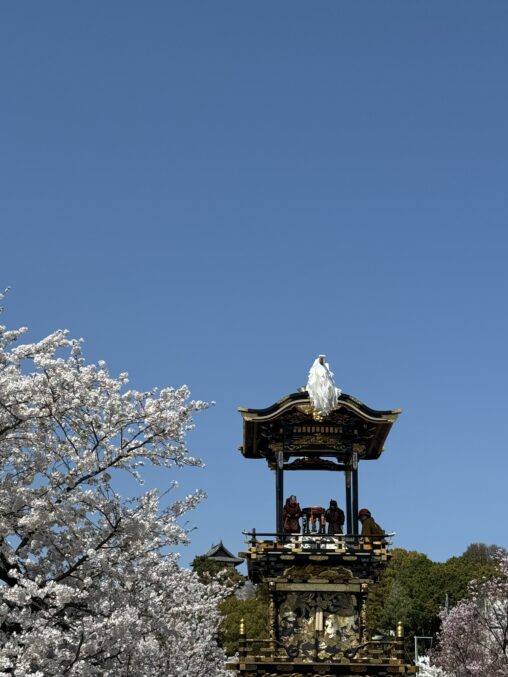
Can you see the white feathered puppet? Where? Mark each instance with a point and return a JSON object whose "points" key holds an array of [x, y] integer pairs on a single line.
{"points": [[323, 392]]}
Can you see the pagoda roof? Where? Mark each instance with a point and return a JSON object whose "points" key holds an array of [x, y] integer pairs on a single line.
{"points": [[292, 426], [219, 553]]}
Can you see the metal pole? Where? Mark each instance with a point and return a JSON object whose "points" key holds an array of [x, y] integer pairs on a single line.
{"points": [[417, 637]]}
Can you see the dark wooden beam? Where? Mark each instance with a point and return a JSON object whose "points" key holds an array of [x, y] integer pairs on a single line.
{"points": [[349, 528], [279, 495], [355, 500]]}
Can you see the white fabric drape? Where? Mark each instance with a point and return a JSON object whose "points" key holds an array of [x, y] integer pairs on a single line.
{"points": [[321, 387]]}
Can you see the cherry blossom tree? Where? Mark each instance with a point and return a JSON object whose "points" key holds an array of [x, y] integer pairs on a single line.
{"points": [[88, 582], [425, 669], [473, 641]]}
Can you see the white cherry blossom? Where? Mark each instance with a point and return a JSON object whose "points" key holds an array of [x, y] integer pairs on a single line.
{"points": [[88, 582]]}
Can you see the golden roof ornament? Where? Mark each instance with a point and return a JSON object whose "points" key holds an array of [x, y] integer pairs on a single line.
{"points": [[323, 393]]}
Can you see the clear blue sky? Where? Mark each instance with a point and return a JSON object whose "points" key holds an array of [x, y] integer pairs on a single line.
{"points": [[213, 193]]}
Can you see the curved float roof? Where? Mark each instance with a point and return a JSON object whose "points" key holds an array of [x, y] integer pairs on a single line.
{"points": [[292, 426]]}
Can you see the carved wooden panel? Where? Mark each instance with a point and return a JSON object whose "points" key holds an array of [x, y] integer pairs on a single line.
{"points": [[319, 625]]}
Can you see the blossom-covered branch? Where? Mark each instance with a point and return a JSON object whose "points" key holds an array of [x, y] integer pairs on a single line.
{"points": [[87, 585], [474, 636]]}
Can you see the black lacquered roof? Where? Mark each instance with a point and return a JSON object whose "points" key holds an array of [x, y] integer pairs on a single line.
{"points": [[293, 427]]}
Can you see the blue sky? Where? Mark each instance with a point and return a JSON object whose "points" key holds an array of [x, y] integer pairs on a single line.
{"points": [[213, 193]]}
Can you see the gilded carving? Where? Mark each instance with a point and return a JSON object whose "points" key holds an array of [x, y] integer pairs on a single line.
{"points": [[335, 575], [319, 625]]}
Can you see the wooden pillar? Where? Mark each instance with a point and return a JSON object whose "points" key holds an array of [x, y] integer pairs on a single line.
{"points": [[362, 602], [355, 500], [273, 612], [349, 528], [279, 493]]}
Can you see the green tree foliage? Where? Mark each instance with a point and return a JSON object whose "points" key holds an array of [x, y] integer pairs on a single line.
{"points": [[254, 610], [207, 570], [255, 613], [414, 589], [403, 594], [483, 554]]}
